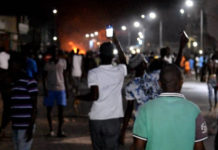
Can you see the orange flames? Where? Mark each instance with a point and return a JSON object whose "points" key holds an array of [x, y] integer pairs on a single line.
{"points": [[74, 47]]}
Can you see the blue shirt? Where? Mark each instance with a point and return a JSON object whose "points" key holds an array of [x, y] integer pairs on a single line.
{"points": [[31, 67], [143, 89]]}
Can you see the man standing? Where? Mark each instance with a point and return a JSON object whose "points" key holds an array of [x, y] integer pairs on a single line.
{"points": [[4, 84], [169, 122], [105, 84], [76, 71], [55, 90], [23, 103]]}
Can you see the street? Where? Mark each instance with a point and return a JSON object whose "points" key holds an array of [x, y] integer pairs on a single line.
{"points": [[77, 131]]}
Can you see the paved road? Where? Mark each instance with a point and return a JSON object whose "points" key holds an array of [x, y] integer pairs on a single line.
{"points": [[77, 127]]}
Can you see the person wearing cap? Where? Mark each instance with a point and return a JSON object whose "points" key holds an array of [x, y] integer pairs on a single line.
{"points": [[142, 88], [105, 83]]}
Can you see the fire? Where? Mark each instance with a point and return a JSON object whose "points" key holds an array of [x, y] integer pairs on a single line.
{"points": [[74, 47]]}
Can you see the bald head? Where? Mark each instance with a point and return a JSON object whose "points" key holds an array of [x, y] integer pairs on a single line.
{"points": [[171, 78]]}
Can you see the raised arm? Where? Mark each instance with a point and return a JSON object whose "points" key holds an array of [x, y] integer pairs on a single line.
{"points": [[183, 41], [122, 57]]}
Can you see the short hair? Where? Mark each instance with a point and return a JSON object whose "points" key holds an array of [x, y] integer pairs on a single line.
{"points": [[106, 49], [170, 78]]}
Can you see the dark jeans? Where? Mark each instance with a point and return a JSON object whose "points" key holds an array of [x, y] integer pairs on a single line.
{"points": [[105, 134]]}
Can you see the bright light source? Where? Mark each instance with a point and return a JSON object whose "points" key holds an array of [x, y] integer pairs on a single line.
{"points": [[115, 52], [182, 11], [142, 16], [98, 43], [55, 11], [124, 28], [189, 3], [87, 35], [195, 44], [141, 35], [133, 52], [131, 48], [136, 24], [200, 51], [140, 42], [152, 15], [55, 38], [138, 50], [138, 39], [96, 33], [92, 35]]}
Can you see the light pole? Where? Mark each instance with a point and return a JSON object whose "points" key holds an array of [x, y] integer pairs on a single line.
{"points": [[190, 4], [152, 16]]}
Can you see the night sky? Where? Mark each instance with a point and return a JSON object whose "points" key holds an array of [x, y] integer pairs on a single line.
{"points": [[77, 17]]}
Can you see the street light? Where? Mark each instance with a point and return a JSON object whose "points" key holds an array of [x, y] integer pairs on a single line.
{"points": [[92, 35], [55, 38], [189, 3], [200, 51], [182, 11], [195, 44], [136, 24], [55, 11], [87, 35], [96, 33], [124, 28], [142, 16], [152, 15]]}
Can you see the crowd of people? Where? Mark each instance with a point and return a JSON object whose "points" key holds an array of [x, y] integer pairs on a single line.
{"points": [[163, 117]]}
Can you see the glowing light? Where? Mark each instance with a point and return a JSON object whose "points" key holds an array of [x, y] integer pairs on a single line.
{"points": [[189, 3], [182, 11], [140, 42], [138, 50], [136, 24], [92, 35], [55, 11], [142, 16], [124, 28], [200, 51], [96, 33], [98, 43], [195, 44], [115, 52], [133, 52], [152, 15], [55, 38], [131, 48], [87, 35], [141, 35]]}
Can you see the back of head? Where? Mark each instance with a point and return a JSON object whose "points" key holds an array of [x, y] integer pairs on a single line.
{"points": [[163, 52], [106, 52], [171, 78], [17, 61]]}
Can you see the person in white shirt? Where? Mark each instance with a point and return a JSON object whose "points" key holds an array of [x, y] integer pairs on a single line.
{"points": [[77, 61], [4, 59], [4, 84], [105, 84]]}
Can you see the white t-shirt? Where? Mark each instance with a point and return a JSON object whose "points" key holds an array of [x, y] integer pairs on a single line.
{"points": [[109, 80], [77, 66], [4, 58]]}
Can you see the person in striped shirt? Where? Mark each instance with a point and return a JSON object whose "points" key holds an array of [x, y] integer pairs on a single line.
{"points": [[23, 103]]}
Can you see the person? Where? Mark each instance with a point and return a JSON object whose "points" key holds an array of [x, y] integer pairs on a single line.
{"points": [[145, 86], [170, 121], [77, 61], [212, 67], [23, 103], [142, 88], [4, 85], [31, 68], [56, 89], [105, 84]]}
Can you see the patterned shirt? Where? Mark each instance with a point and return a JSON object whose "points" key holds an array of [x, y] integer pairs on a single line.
{"points": [[143, 89], [22, 92]]}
